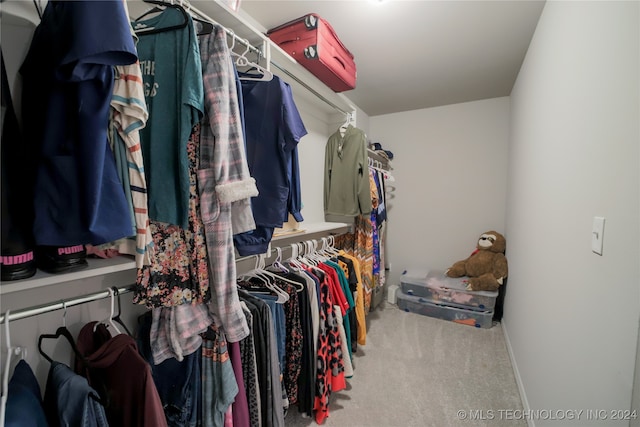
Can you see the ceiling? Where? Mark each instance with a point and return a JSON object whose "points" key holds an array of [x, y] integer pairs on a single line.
{"points": [[422, 53]]}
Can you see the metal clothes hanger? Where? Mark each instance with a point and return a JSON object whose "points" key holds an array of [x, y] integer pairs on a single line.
{"points": [[142, 30], [117, 318]]}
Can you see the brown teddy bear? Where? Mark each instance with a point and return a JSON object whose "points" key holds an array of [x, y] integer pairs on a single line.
{"points": [[487, 265]]}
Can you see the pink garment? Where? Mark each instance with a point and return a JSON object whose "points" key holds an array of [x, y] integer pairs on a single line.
{"points": [[228, 417], [101, 253], [240, 405]]}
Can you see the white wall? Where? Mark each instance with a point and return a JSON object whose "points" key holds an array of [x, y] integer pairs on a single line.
{"points": [[311, 156], [571, 315], [450, 166]]}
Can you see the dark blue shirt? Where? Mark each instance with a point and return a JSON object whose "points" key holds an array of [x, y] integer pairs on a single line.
{"points": [[24, 401], [67, 86], [273, 129]]}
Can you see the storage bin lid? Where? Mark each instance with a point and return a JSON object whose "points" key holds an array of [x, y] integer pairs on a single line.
{"points": [[436, 279]]}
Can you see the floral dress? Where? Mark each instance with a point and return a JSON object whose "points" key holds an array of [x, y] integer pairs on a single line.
{"points": [[179, 272]]}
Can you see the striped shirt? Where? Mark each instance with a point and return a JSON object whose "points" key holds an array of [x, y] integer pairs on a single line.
{"points": [[129, 115]]}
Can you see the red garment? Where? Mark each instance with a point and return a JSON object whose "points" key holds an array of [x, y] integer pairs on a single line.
{"points": [[121, 376], [337, 293], [330, 366]]}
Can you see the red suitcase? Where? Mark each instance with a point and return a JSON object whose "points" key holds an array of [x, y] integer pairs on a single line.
{"points": [[314, 44]]}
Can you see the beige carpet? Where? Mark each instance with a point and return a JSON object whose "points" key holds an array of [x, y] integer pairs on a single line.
{"points": [[420, 371]]}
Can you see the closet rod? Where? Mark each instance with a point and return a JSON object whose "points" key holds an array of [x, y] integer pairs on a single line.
{"points": [[275, 64], [273, 251], [62, 304], [310, 89], [273, 254]]}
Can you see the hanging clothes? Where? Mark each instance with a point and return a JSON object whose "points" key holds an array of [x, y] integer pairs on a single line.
{"points": [[121, 376], [343, 282], [359, 244], [268, 369], [293, 343], [67, 88], [344, 341], [24, 399], [301, 356], [219, 386], [360, 308], [381, 222], [277, 315], [240, 410], [374, 229], [175, 331], [172, 76], [330, 376], [346, 180], [69, 400], [178, 382], [349, 271], [129, 115], [223, 179], [250, 371], [273, 130], [179, 269]]}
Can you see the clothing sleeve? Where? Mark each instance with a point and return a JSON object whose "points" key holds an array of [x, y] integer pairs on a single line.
{"points": [[295, 197], [223, 177], [242, 220], [328, 164], [364, 188], [130, 115], [222, 150], [294, 131], [192, 88], [294, 128]]}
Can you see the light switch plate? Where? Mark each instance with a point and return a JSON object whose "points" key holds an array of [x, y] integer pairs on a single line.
{"points": [[597, 234]]}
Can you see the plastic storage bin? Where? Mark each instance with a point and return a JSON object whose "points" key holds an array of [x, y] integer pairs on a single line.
{"points": [[434, 286], [419, 305]]}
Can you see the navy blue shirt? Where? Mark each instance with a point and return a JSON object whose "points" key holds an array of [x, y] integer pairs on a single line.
{"points": [[273, 130], [67, 86]]}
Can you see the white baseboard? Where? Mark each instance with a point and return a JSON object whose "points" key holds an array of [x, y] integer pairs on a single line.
{"points": [[516, 372]]}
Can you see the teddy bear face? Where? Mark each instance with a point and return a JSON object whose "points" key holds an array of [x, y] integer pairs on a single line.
{"points": [[492, 241]]}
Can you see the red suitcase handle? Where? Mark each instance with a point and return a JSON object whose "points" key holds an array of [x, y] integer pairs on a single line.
{"points": [[311, 19]]}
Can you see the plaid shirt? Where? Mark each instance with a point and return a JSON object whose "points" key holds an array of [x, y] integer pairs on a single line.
{"points": [[223, 179], [175, 331]]}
